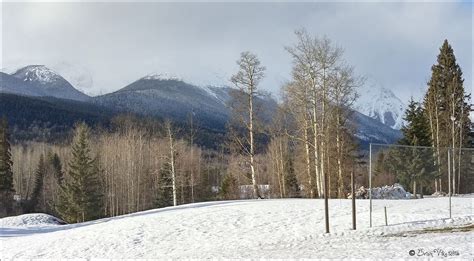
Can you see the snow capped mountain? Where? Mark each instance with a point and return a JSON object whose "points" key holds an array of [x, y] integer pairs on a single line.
{"points": [[165, 96], [78, 76], [161, 76], [37, 73], [170, 76], [381, 104], [43, 81], [10, 84]]}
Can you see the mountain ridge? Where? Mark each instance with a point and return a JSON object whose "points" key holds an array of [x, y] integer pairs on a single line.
{"points": [[167, 96], [39, 80]]}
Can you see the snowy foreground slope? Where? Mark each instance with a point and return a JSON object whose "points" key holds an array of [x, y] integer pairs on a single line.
{"points": [[286, 228]]}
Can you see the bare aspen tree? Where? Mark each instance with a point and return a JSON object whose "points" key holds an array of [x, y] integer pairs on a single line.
{"points": [[297, 104], [169, 130], [313, 62], [343, 95], [246, 80], [319, 70], [278, 149]]}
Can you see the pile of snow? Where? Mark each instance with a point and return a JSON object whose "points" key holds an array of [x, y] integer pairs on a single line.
{"points": [[439, 194], [246, 191], [395, 191], [31, 220]]}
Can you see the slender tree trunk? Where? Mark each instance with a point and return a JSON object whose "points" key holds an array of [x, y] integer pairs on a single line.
{"points": [[461, 125], [438, 153], [173, 174], [339, 160], [192, 172], [432, 130], [421, 190], [282, 168], [308, 159], [252, 149], [317, 155], [192, 158], [453, 136], [323, 131], [414, 189]]}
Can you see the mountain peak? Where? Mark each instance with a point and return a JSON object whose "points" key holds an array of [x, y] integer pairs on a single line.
{"points": [[382, 104], [161, 76], [37, 73], [43, 81]]}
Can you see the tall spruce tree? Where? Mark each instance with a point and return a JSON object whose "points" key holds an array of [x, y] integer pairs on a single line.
{"points": [[81, 197], [6, 173], [446, 108]]}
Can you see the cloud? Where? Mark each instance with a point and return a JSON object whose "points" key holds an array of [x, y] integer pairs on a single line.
{"points": [[392, 43]]}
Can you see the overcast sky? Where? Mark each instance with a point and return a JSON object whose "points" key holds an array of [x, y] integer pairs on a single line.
{"points": [[113, 44]]}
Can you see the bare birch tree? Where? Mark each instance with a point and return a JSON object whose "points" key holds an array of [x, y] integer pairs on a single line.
{"points": [[246, 80], [169, 130]]}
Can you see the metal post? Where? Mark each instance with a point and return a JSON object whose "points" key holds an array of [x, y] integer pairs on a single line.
{"points": [[449, 180], [353, 202], [370, 184], [385, 210]]}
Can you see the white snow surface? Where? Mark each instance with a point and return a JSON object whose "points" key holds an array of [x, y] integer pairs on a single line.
{"points": [[279, 228]]}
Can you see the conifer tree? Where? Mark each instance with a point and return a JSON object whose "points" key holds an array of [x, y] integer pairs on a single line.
{"points": [[291, 181], [165, 189], [418, 169], [6, 173], [229, 187], [38, 186], [56, 166], [446, 108], [81, 198], [416, 131]]}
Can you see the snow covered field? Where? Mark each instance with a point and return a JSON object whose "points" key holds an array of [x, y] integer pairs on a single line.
{"points": [[281, 228]]}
